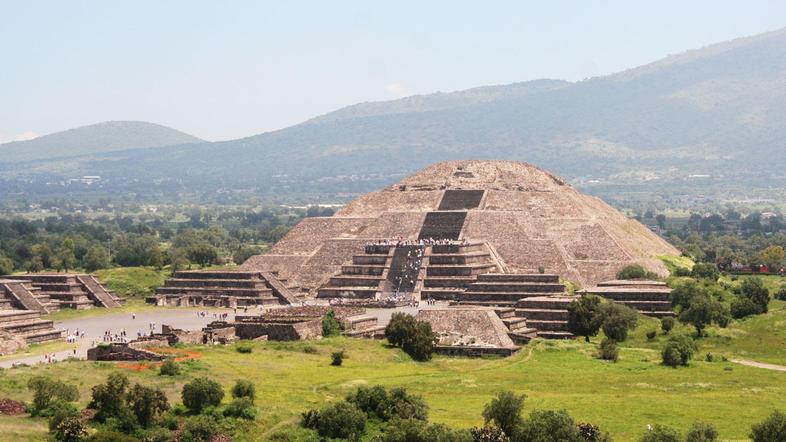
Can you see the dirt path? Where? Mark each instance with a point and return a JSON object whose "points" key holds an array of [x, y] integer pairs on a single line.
{"points": [[763, 365]]}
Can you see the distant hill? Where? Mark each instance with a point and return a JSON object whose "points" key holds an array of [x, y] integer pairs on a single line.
{"points": [[719, 110], [95, 138]]}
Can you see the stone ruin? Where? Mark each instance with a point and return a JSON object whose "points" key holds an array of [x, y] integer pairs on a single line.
{"points": [[473, 331], [305, 322], [650, 298], [223, 288]]}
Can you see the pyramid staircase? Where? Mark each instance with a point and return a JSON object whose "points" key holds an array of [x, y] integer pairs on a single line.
{"points": [[67, 290], [547, 314], [20, 294], [223, 288], [650, 298], [452, 268], [518, 329], [364, 278], [506, 289]]}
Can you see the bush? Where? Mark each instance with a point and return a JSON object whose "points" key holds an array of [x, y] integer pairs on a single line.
{"points": [[678, 351], [660, 433], [242, 408], [753, 288], [780, 295], [58, 411], [705, 270], [667, 324], [703, 311], [146, 403], [609, 350], [591, 433], [337, 358], [548, 426], [414, 430], [414, 337], [70, 429], [200, 428], [771, 429], [583, 316], [701, 432], [244, 388], [742, 307], [617, 320], [488, 434], [169, 368], [310, 349], [634, 271], [244, 347], [504, 411], [330, 325], [341, 420], [378, 403], [201, 393], [112, 436], [651, 335], [47, 390]]}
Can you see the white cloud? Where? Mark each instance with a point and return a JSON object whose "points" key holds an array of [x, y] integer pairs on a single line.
{"points": [[24, 136], [398, 90]]}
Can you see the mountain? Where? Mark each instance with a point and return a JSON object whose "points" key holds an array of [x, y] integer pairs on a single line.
{"points": [[719, 111], [95, 138]]}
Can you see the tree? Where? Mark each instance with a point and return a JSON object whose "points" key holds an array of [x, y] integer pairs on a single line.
{"points": [[772, 257], [609, 350], [146, 403], [201, 393], [702, 312], [96, 258], [753, 288], [548, 426], [666, 324], [617, 320], [65, 254], [705, 270], [414, 430], [341, 420], [109, 399], [6, 265], [678, 350], [661, 220], [633, 271], [488, 434], [202, 428], [772, 429], [242, 408], [742, 307], [414, 337], [504, 411], [330, 325], [46, 391], [70, 429], [244, 388], [583, 318], [169, 368], [701, 432], [661, 433]]}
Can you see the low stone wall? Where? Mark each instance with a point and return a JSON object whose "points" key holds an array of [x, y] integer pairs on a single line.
{"points": [[280, 331], [10, 343], [469, 351], [121, 352]]}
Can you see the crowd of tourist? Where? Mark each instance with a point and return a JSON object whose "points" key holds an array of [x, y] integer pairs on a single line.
{"points": [[401, 242]]}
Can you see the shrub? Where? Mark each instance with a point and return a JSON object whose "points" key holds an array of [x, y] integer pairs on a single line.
{"points": [[70, 429], [634, 271], [47, 390], [242, 408], [771, 429], [244, 388], [337, 358], [414, 337], [609, 350], [705, 270], [504, 411], [112, 436], [591, 433], [651, 335], [678, 351], [201, 393], [660, 433], [780, 295], [58, 411], [330, 325], [488, 434], [541, 270], [583, 316], [701, 432], [753, 288], [376, 402], [169, 368], [200, 428], [617, 320], [244, 347], [742, 307], [548, 426], [703, 311], [414, 430], [341, 420], [310, 419], [310, 349], [667, 324]]}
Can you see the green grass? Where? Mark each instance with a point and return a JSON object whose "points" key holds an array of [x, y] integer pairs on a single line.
{"points": [[676, 262], [133, 281], [622, 398]]}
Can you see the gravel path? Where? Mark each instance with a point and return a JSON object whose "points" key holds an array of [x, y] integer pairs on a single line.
{"points": [[763, 365]]}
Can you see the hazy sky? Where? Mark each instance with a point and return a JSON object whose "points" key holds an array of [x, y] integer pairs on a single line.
{"points": [[222, 70]]}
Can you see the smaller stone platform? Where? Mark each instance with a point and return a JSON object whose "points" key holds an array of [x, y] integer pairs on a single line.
{"points": [[547, 314], [298, 323], [650, 298], [469, 331], [28, 325], [66, 290], [223, 288]]}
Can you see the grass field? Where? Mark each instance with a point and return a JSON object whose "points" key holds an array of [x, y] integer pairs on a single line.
{"points": [[622, 398]]}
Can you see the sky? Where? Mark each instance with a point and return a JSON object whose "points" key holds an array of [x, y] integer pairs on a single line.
{"points": [[225, 70]]}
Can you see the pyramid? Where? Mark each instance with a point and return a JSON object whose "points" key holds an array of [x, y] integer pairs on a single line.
{"points": [[526, 218]]}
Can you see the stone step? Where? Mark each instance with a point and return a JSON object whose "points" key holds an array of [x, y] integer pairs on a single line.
{"points": [[448, 281], [229, 283], [39, 336], [505, 312], [215, 274], [523, 335], [360, 322], [549, 334], [548, 325], [632, 283], [363, 269], [519, 277], [647, 305], [460, 258], [347, 292], [546, 302], [10, 317], [213, 291], [355, 280], [495, 303], [459, 269], [444, 249], [514, 324], [28, 326], [370, 259], [542, 314], [624, 294], [376, 332], [659, 314], [516, 287]]}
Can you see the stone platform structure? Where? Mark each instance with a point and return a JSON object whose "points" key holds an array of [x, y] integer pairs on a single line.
{"points": [[650, 298], [55, 291], [223, 288], [472, 331], [517, 218], [27, 326], [296, 323]]}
